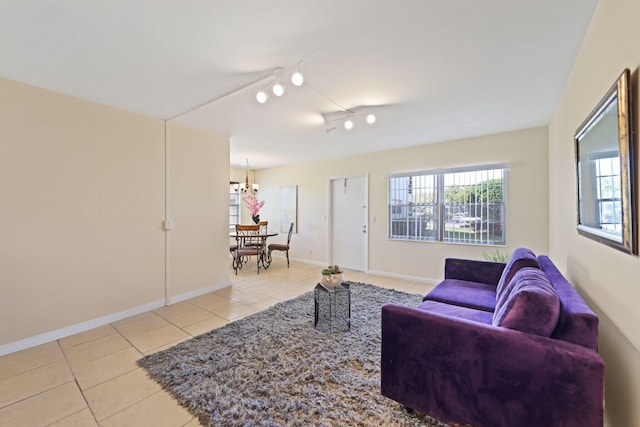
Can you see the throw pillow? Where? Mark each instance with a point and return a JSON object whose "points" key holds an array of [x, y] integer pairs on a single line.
{"points": [[532, 306], [520, 258]]}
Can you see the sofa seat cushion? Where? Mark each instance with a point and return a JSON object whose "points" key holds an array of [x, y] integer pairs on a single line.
{"points": [[479, 296], [520, 258], [456, 311], [532, 305]]}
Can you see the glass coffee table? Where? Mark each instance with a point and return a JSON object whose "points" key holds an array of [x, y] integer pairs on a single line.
{"points": [[332, 307]]}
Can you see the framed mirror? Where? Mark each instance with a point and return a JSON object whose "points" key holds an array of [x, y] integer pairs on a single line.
{"points": [[606, 171]]}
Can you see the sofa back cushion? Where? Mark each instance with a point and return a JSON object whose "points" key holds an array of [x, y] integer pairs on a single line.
{"points": [[520, 258], [532, 305]]}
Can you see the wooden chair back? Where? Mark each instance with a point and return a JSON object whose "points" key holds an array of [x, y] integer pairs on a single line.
{"points": [[249, 244], [248, 235]]}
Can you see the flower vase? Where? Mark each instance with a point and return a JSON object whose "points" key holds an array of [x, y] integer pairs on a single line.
{"points": [[256, 218]]}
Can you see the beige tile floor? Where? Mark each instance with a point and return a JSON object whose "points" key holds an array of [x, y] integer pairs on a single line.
{"points": [[91, 378]]}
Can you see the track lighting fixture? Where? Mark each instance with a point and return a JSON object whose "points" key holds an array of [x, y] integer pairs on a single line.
{"points": [[350, 118], [277, 83], [346, 117]]}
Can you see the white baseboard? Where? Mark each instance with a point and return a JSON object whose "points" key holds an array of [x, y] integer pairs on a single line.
{"points": [[57, 334], [322, 264], [377, 273], [405, 277], [306, 261], [77, 328], [198, 292], [110, 318]]}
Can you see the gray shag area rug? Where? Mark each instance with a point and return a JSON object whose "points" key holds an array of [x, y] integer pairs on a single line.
{"points": [[274, 369]]}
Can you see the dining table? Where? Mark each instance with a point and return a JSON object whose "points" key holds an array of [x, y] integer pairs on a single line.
{"points": [[241, 241]]}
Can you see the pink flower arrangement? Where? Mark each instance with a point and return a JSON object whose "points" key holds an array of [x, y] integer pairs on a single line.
{"points": [[253, 204]]}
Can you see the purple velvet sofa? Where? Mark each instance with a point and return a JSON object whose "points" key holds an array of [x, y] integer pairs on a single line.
{"points": [[496, 344]]}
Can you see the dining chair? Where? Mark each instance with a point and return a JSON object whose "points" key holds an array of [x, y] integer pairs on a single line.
{"points": [[281, 246], [263, 230], [250, 243], [233, 250]]}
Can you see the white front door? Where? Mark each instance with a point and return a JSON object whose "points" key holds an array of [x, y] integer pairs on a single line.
{"points": [[348, 227]]}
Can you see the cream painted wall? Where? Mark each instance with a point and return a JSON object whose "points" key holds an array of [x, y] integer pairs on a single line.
{"points": [[82, 189], [82, 200], [198, 174], [606, 277], [236, 174], [527, 208]]}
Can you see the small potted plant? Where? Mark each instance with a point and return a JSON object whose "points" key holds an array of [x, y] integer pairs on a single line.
{"points": [[496, 257], [332, 276]]}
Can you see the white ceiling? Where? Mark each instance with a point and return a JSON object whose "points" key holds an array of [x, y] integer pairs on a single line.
{"points": [[433, 70]]}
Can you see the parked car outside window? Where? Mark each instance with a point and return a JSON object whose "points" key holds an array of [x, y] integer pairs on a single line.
{"points": [[465, 220]]}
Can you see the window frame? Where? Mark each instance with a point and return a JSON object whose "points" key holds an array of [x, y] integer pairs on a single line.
{"points": [[233, 193], [434, 222]]}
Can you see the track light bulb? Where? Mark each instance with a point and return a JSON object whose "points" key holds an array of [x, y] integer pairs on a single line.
{"points": [[278, 89], [371, 118], [262, 97], [348, 124], [297, 78]]}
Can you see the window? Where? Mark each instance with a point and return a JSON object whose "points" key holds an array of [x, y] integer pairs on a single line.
{"points": [[608, 194], [234, 205], [600, 176], [455, 205]]}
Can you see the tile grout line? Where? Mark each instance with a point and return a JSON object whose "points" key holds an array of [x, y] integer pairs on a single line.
{"points": [[162, 390], [75, 380], [84, 342], [28, 370]]}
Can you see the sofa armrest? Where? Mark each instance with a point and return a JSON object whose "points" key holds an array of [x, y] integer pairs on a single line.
{"points": [[465, 372], [473, 270]]}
